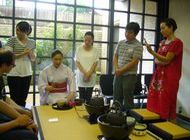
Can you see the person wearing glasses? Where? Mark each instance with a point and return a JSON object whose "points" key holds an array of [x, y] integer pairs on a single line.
{"points": [[19, 77], [15, 122]]}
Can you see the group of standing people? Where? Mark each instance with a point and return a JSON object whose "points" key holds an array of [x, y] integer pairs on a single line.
{"points": [[163, 89], [57, 81]]}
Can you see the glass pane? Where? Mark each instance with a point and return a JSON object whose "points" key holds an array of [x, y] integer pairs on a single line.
{"points": [[147, 67], [64, 31], [100, 33], [45, 29], [146, 54], [24, 9], [66, 47], [136, 18], [47, 0], [101, 4], [137, 6], [138, 37], [114, 47], [119, 34], [84, 15], [44, 48], [120, 19], [151, 7], [68, 62], [102, 66], [121, 5], [30, 22], [81, 30], [78, 44], [150, 22], [102, 49], [6, 8], [42, 63], [6, 26], [138, 68], [65, 13], [84, 2], [66, 1], [3, 41], [101, 17], [150, 36], [45, 11]]}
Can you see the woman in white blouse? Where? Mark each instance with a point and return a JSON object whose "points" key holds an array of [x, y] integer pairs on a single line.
{"points": [[86, 62], [56, 81]]}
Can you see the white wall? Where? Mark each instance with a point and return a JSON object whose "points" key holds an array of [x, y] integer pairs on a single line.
{"points": [[179, 10]]}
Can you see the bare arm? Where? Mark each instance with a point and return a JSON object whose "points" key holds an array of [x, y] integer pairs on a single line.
{"points": [[21, 121], [159, 62], [93, 68], [166, 59], [8, 126], [17, 107], [115, 61], [79, 66], [8, 110]]}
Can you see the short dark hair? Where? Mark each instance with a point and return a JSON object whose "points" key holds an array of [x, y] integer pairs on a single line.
{"points": [[55, 52], [90, 34], [170, 22], [24, 27], [1, 44], [133, 26], [6, 57]]}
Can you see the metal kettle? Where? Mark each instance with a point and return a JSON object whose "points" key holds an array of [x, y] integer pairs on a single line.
{"points": [[115, 116], [96, 101]]}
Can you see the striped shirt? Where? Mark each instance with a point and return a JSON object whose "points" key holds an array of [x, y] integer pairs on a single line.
{"points": [[126, 51], [23, 64]]}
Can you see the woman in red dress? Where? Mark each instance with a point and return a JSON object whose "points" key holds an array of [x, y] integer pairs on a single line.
{"points": [[164, 85]]}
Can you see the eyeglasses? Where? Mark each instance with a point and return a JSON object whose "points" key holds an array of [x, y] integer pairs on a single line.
{"points": [[13, 65]]}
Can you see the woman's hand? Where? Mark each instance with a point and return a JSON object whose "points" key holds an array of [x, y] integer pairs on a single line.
{"points": [[49, 88], [148, 47], [26, 51], [87, 76], [70, 97]]}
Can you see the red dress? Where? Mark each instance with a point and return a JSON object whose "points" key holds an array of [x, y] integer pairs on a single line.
{"points": [[164, 85]]}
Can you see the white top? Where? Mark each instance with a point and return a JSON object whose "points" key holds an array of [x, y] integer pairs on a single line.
{"points": [[86, 59], [23, 64], [55, 75]]}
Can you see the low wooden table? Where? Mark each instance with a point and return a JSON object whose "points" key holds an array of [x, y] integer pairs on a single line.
{"points": [[70, 125]]}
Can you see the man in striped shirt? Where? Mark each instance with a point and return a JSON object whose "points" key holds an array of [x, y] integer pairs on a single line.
{"points": [[126, 57]]}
